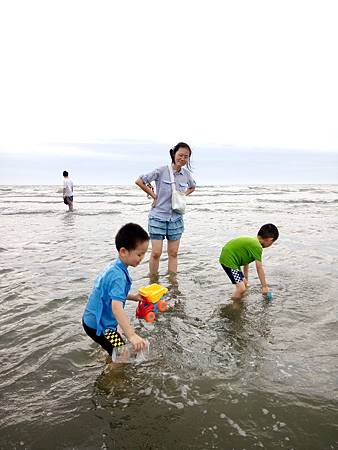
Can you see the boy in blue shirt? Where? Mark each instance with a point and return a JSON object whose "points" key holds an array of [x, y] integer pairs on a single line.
{"points": [[105, 307]]}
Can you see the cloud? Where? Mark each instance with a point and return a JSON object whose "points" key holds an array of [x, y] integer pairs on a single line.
{"points": [[122, 162]]}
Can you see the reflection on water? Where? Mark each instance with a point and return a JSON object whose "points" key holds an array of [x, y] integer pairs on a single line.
{"points": [[112, 377], [219, 374], [69, 218], [233, 311]]}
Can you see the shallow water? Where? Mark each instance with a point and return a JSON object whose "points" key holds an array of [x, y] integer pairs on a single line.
{"points": [[263, 375]]}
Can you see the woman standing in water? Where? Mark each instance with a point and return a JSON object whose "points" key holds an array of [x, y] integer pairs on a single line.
{"points": [[164, 222]]}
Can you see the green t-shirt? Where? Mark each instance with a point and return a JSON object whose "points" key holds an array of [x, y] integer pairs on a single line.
{"points": [[241, 251]]}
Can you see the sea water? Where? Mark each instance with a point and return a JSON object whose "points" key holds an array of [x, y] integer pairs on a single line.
{"points": [[253, 375]]}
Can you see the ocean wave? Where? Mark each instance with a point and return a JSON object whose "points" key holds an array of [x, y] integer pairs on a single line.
{"points": [[30, 213], [3, 271], [34, 200], [298, 202], [95, 213]]}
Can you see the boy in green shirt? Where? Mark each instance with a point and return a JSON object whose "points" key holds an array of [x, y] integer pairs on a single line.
{"points": [[242, 251]]}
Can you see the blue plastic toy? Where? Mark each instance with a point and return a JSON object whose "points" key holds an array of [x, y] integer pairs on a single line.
{"points": [[269, 296]]}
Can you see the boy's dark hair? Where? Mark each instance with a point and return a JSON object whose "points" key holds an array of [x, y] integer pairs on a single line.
{"points": [[269, 230], [129, 236], [172, 152], [65, 173]]}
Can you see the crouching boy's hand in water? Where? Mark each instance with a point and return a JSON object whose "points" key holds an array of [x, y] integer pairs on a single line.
{"points": [[137, 342], [265, 289], [261, 276]]}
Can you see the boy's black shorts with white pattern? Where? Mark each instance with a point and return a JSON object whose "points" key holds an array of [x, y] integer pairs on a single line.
{"points": [[108, 341], [236, 276]]}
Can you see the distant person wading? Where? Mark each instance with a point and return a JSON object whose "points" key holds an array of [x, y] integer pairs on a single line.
{"points": [[164, 222], [67, 191]]}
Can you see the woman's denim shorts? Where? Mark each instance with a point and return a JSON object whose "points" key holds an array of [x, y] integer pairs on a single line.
{"points": [[159, 229]]}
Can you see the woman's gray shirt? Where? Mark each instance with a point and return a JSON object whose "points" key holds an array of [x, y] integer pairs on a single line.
{"points": [[161, 176]]}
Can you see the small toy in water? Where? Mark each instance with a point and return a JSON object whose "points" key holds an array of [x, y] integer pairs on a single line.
{"points": [[151, 302], [269, 296]]}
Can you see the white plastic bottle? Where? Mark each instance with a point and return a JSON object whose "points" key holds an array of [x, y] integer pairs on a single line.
{"points": [[126, 354]]}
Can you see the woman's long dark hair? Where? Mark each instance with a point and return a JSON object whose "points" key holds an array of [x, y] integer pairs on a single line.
{"points": [[172, 152]]}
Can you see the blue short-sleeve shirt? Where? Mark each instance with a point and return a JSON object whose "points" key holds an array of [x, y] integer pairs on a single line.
{"points": [[161, 176], [113, 283]]}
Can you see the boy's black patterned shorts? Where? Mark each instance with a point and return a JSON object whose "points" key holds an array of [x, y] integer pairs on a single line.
{"points": [[114, 338], [108, 341], [236, 276]]}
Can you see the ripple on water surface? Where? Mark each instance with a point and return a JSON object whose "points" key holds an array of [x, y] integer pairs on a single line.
{"points": [[256, 374]]}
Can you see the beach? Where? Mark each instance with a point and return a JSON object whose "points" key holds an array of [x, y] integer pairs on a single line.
{"points": [[262, 375]]}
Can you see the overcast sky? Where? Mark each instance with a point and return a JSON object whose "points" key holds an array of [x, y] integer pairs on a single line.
{"points": [[88, 83]]}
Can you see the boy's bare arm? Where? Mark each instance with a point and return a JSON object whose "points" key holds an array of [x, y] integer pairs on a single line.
{"points": [[261, 276], [134, 297], [246, 275], [137, 342]]}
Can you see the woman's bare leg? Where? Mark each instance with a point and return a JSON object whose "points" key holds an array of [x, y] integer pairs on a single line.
{"points": [[156, 252], [173, 247]]}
